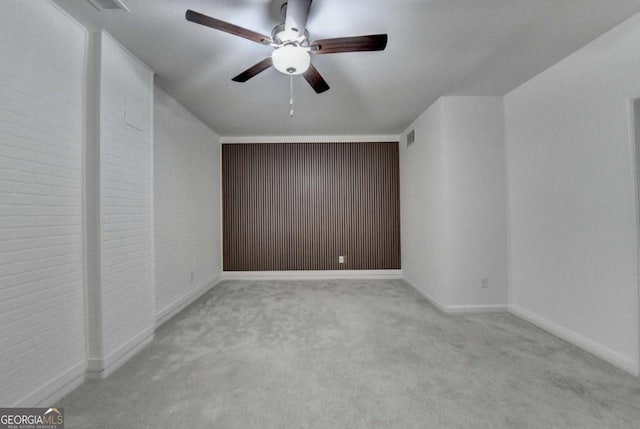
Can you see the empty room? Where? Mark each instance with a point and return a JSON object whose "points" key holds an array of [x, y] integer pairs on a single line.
{"points": [[319, 214]]}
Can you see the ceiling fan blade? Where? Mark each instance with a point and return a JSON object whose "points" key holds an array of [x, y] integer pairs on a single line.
{"points": [[297, 14], [312, 75], [253, 70], [373, 42], [217, 24]]}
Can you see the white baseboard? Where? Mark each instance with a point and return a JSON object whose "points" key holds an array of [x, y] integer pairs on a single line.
{"points": [[98, 368], [460, 309], [437, 304], [54, 390], [465, 309], [603, 352], [312, 275], [180, 304]]}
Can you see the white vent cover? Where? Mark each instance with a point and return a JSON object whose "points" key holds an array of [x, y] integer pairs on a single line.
{"points": [[109, 5], [411, 137]]}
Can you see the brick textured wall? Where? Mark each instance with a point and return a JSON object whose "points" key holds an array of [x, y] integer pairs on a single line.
{"points": [[126, 203], [42, 334], [186, 204]]}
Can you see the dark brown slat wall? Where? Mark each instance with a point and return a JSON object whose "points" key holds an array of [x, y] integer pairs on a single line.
{"points": [[298, 206]]}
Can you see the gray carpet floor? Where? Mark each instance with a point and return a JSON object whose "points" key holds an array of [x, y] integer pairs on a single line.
{"points": [[352, 354]]}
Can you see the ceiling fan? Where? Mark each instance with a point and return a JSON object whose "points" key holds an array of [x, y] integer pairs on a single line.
{"points": [[291, 44]]}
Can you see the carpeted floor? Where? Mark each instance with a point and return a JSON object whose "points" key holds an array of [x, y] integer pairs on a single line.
{"points": [[352, 354]]}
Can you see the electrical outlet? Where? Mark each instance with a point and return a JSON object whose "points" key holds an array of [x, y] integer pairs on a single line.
{"points": [[341, 259], [485, 283]]}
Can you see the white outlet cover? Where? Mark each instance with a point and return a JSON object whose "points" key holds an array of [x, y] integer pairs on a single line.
{"points": [[341, 259]]}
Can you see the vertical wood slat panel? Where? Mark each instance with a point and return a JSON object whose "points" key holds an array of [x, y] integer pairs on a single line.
{"points": [[298, 206]]}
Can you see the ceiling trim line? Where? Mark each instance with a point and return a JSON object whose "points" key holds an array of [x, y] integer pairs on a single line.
{"points": [[311, 139]]}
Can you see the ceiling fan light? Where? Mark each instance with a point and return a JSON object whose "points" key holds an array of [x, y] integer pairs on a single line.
{"points": [[291, 59]]}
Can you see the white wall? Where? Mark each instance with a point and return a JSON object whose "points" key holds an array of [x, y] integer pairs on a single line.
{"points": [[187, 205], [125, 289], [64, 97], [453, 204], [476, 201], [573, 237], [42, 330]]}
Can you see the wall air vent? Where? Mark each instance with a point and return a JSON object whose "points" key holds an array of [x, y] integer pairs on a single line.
{"points": [[411, 137], [109, 5]]}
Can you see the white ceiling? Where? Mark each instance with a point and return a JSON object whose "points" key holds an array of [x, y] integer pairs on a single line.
{"points": [[436, 47]]}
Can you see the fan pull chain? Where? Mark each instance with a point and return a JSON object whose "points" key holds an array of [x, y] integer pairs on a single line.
{"points": [[291, 96]]}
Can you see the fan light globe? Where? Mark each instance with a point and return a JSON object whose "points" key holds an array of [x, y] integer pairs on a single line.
{"points": [[291, 59]]}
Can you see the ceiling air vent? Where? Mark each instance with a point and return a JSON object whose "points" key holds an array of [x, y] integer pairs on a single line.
{"points": [[109, 5], [411, 137]]}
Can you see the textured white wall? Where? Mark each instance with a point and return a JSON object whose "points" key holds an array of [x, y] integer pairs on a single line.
{"points": [[187, 205], [574, 260], [453, 204], [126, 200], [42, 330]]}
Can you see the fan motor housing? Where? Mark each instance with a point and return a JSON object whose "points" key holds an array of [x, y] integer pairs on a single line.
{"points": [[281, 36]]}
